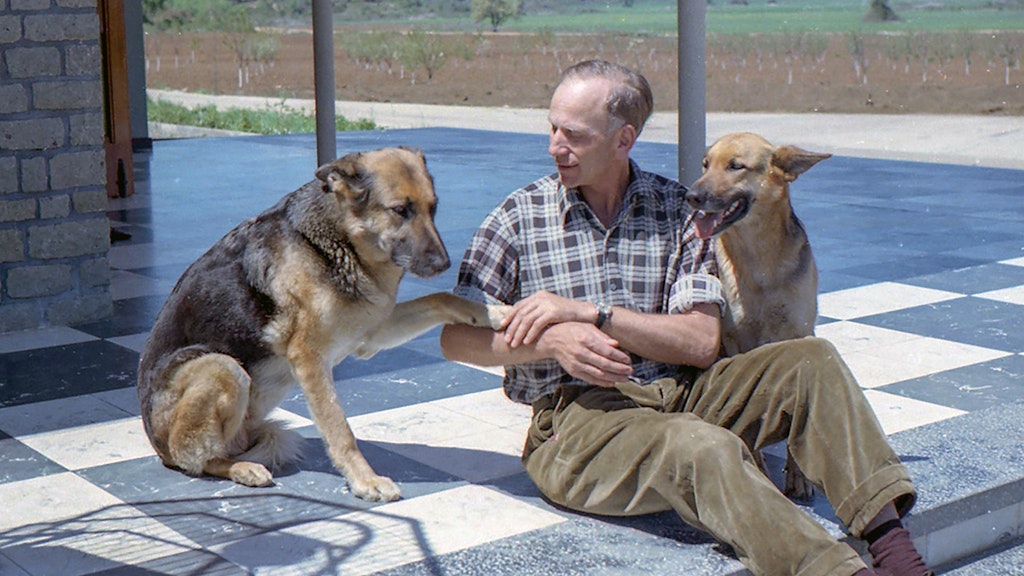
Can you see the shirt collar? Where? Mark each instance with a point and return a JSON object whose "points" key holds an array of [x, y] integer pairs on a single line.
{"points": [[570, 200]]}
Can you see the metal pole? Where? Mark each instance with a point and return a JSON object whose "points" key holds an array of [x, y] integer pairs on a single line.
{"points": [[323, 81], [692, 127]]}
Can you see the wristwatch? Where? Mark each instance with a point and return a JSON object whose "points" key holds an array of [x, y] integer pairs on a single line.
{"points": [[604, 314]]}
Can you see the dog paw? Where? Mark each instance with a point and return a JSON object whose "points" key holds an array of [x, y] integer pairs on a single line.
{"points": [[376, 489], [251, 474], [797, 486], [365, 351], [496, 315]]}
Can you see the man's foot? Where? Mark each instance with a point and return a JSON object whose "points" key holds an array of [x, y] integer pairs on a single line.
{"points": [[894, 554]]}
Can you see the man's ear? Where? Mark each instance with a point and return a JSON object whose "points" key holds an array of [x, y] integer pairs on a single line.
{"points": [[347, 177], [627, 137]]}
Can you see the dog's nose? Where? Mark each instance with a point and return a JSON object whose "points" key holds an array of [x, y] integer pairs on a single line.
{"points": [[432, 261], [439, 261], [695, 197]]}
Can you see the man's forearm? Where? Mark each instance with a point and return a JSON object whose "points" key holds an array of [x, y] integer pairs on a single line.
{"points": [[482, 346], [690, 338]]}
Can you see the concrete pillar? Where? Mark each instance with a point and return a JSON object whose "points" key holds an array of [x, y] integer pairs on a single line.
{"points": [[692, 127], [323, 81]]}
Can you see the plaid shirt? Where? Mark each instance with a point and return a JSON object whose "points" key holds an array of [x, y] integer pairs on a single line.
{"points": [[544, 237]]}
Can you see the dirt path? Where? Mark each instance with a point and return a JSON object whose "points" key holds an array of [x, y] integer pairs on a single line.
{"points": [[517, 71]]}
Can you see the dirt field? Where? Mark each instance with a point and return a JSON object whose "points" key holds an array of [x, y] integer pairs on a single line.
{"points": [[518, 71]]}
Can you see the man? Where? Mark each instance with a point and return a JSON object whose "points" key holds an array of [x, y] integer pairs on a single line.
{"points": [[614, 336]]}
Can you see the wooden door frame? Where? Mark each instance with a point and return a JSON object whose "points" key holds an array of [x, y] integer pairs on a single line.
{"points": [[117, 133]]}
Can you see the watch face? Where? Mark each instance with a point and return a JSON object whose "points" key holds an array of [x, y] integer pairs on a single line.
{"points": [[604, 311]]}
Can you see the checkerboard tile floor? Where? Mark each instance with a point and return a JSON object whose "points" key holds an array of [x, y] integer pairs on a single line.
{"points": [[925, 303]]}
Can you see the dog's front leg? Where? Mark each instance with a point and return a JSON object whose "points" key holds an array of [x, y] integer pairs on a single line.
{"points": [[314, 375], [411, 318]]}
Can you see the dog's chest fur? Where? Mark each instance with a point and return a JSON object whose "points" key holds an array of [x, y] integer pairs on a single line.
{"points": [[331, 300], [766, 301]]}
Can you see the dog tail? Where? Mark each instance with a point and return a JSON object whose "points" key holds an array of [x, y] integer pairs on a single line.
{"points": [[275, 446]]}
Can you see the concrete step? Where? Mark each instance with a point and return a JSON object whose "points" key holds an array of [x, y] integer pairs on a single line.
{"points": [[1004, 560]]}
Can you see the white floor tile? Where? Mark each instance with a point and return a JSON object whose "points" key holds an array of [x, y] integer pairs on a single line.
{"points": [[876, 299], [29, 505], [423, 423], [849, 337], [92, 445], [897, 413], [290, 419], [64, 525], [889, 358], [448, 435], [391, 535], [42, 338], [492, 407], [1013, 295], [496, 370]]}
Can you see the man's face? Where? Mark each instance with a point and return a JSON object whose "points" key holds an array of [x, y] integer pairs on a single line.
{"points": [[581, 142]]}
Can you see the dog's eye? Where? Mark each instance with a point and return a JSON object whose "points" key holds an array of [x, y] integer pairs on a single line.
{"points": [[705, 164], [403, 211], [736, 165]]}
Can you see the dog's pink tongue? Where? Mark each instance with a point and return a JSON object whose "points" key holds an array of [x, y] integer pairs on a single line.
{"points": [[705, 224]]}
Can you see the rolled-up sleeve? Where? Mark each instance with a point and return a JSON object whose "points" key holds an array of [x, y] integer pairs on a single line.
{"points": [[692, 289], [489, 271]]}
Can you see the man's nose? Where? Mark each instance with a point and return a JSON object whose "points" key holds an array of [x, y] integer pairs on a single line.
{"points": [[556, 144]]}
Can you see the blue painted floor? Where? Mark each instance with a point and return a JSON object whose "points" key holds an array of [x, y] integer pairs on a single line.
{"points": [[922, 290]]}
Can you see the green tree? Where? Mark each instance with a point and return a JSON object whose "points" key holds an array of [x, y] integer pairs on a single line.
{"points": [[495, 11], [430, 51], [879, 11]]}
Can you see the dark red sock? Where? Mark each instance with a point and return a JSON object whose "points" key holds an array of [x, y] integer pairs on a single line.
{"points": [[894, 553]]}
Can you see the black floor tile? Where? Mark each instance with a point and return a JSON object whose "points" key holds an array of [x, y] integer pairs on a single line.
{"points": [[63, 371]]}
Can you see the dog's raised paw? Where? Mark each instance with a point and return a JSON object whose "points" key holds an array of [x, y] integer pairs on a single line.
{"points": [[376, 489], [496, 315], [364, 351]]}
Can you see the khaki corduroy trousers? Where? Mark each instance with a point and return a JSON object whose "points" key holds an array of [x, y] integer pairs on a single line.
{"points": [[676, 444]]}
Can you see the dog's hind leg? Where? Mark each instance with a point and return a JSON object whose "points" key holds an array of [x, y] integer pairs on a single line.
{"points": [[208, 420]]}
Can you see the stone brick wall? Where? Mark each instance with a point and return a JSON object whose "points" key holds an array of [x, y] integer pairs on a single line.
{"points": [[54, 232]]}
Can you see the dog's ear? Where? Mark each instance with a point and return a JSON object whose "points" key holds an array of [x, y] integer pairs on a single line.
{"points": [[414, 150], [417, 151], [346, 176], [794, 161]]}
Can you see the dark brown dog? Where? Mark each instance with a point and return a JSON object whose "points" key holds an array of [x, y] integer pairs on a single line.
{"points": [[281, 299], [764, 258]]}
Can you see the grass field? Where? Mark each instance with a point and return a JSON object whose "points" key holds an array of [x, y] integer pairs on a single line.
{"points": [[828, 16]]}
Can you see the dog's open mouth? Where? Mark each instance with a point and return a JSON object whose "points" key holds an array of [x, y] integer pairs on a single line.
{"points": [[710, 223]]}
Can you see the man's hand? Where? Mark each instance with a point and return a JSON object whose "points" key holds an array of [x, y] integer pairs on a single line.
{"points": [[586, 352], [532, 315]]}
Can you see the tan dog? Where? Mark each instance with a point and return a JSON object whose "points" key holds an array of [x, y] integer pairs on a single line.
{"points": [[764, 258], [281, 299]]}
